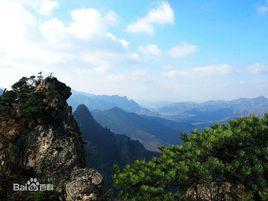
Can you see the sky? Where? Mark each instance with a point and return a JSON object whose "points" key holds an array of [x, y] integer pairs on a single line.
{"points": [[176, 50]]}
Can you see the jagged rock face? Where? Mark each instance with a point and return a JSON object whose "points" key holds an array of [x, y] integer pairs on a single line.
{"points": [[85, 185], [48, 150]]}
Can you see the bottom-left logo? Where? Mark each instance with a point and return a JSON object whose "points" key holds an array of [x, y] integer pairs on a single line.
{"points": [[32, 185]]}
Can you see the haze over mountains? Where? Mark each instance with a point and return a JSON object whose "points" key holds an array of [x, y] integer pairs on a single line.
{"points": [[163, 125], [150, 132], [242, 106], [206, 113], [104, 148], [104, 102]]}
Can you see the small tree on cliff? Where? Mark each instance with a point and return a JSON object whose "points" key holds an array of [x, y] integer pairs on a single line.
{"points": [[22, 97], [227, 160]]}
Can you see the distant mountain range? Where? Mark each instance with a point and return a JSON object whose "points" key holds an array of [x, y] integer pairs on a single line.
{"points": [[104, 102], [104, 148], [1, 91], [152, 132], [163, 125], [214, 111]]}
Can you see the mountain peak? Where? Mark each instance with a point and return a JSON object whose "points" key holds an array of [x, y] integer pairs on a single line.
{"points": [[83, 111], [117, 109], [82, 107], [104, 102]]}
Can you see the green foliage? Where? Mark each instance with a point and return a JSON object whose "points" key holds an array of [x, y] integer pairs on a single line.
{"points": [[31, 106], [234, 153], [6, 102], [23, 97]]}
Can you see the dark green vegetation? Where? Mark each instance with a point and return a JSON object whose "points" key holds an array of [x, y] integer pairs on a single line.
{"points": [[24, 95], [104, 148], [151, 132], [225, 162]]}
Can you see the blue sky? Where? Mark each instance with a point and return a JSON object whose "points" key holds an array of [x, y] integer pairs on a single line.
{"points": [[177, 50]]}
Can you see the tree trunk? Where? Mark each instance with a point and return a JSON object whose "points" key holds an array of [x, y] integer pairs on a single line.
{"points": [[256, 196]]}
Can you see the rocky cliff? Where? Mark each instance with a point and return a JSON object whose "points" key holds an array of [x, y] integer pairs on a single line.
{"points": [[39, 138]]}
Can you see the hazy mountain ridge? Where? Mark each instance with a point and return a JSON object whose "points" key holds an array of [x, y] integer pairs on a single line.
{"points": [[163, 126], [104, 148], [214, 111], [153, 105], [104, 102], [149, 132], [177, 126], [242, 106]]}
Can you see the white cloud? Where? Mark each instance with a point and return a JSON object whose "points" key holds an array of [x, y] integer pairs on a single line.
{"points": [[140, 26], [53, 29], [150, 51], [83, 41], [112, 18], [16, 29], [216, 70], [87, 23], [263, 9], [257, 68], [47, 6], [182, 50], [43, 7], [200, 71], [210, 70], [135, 57], [122, 41], [161, 15]]}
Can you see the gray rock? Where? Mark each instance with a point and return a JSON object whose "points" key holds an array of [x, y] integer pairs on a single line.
{"points": [[85, 184]]}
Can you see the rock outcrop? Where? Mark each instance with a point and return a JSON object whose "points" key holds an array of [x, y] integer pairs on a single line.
{"points": [[39, 138], [85, 184]]}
